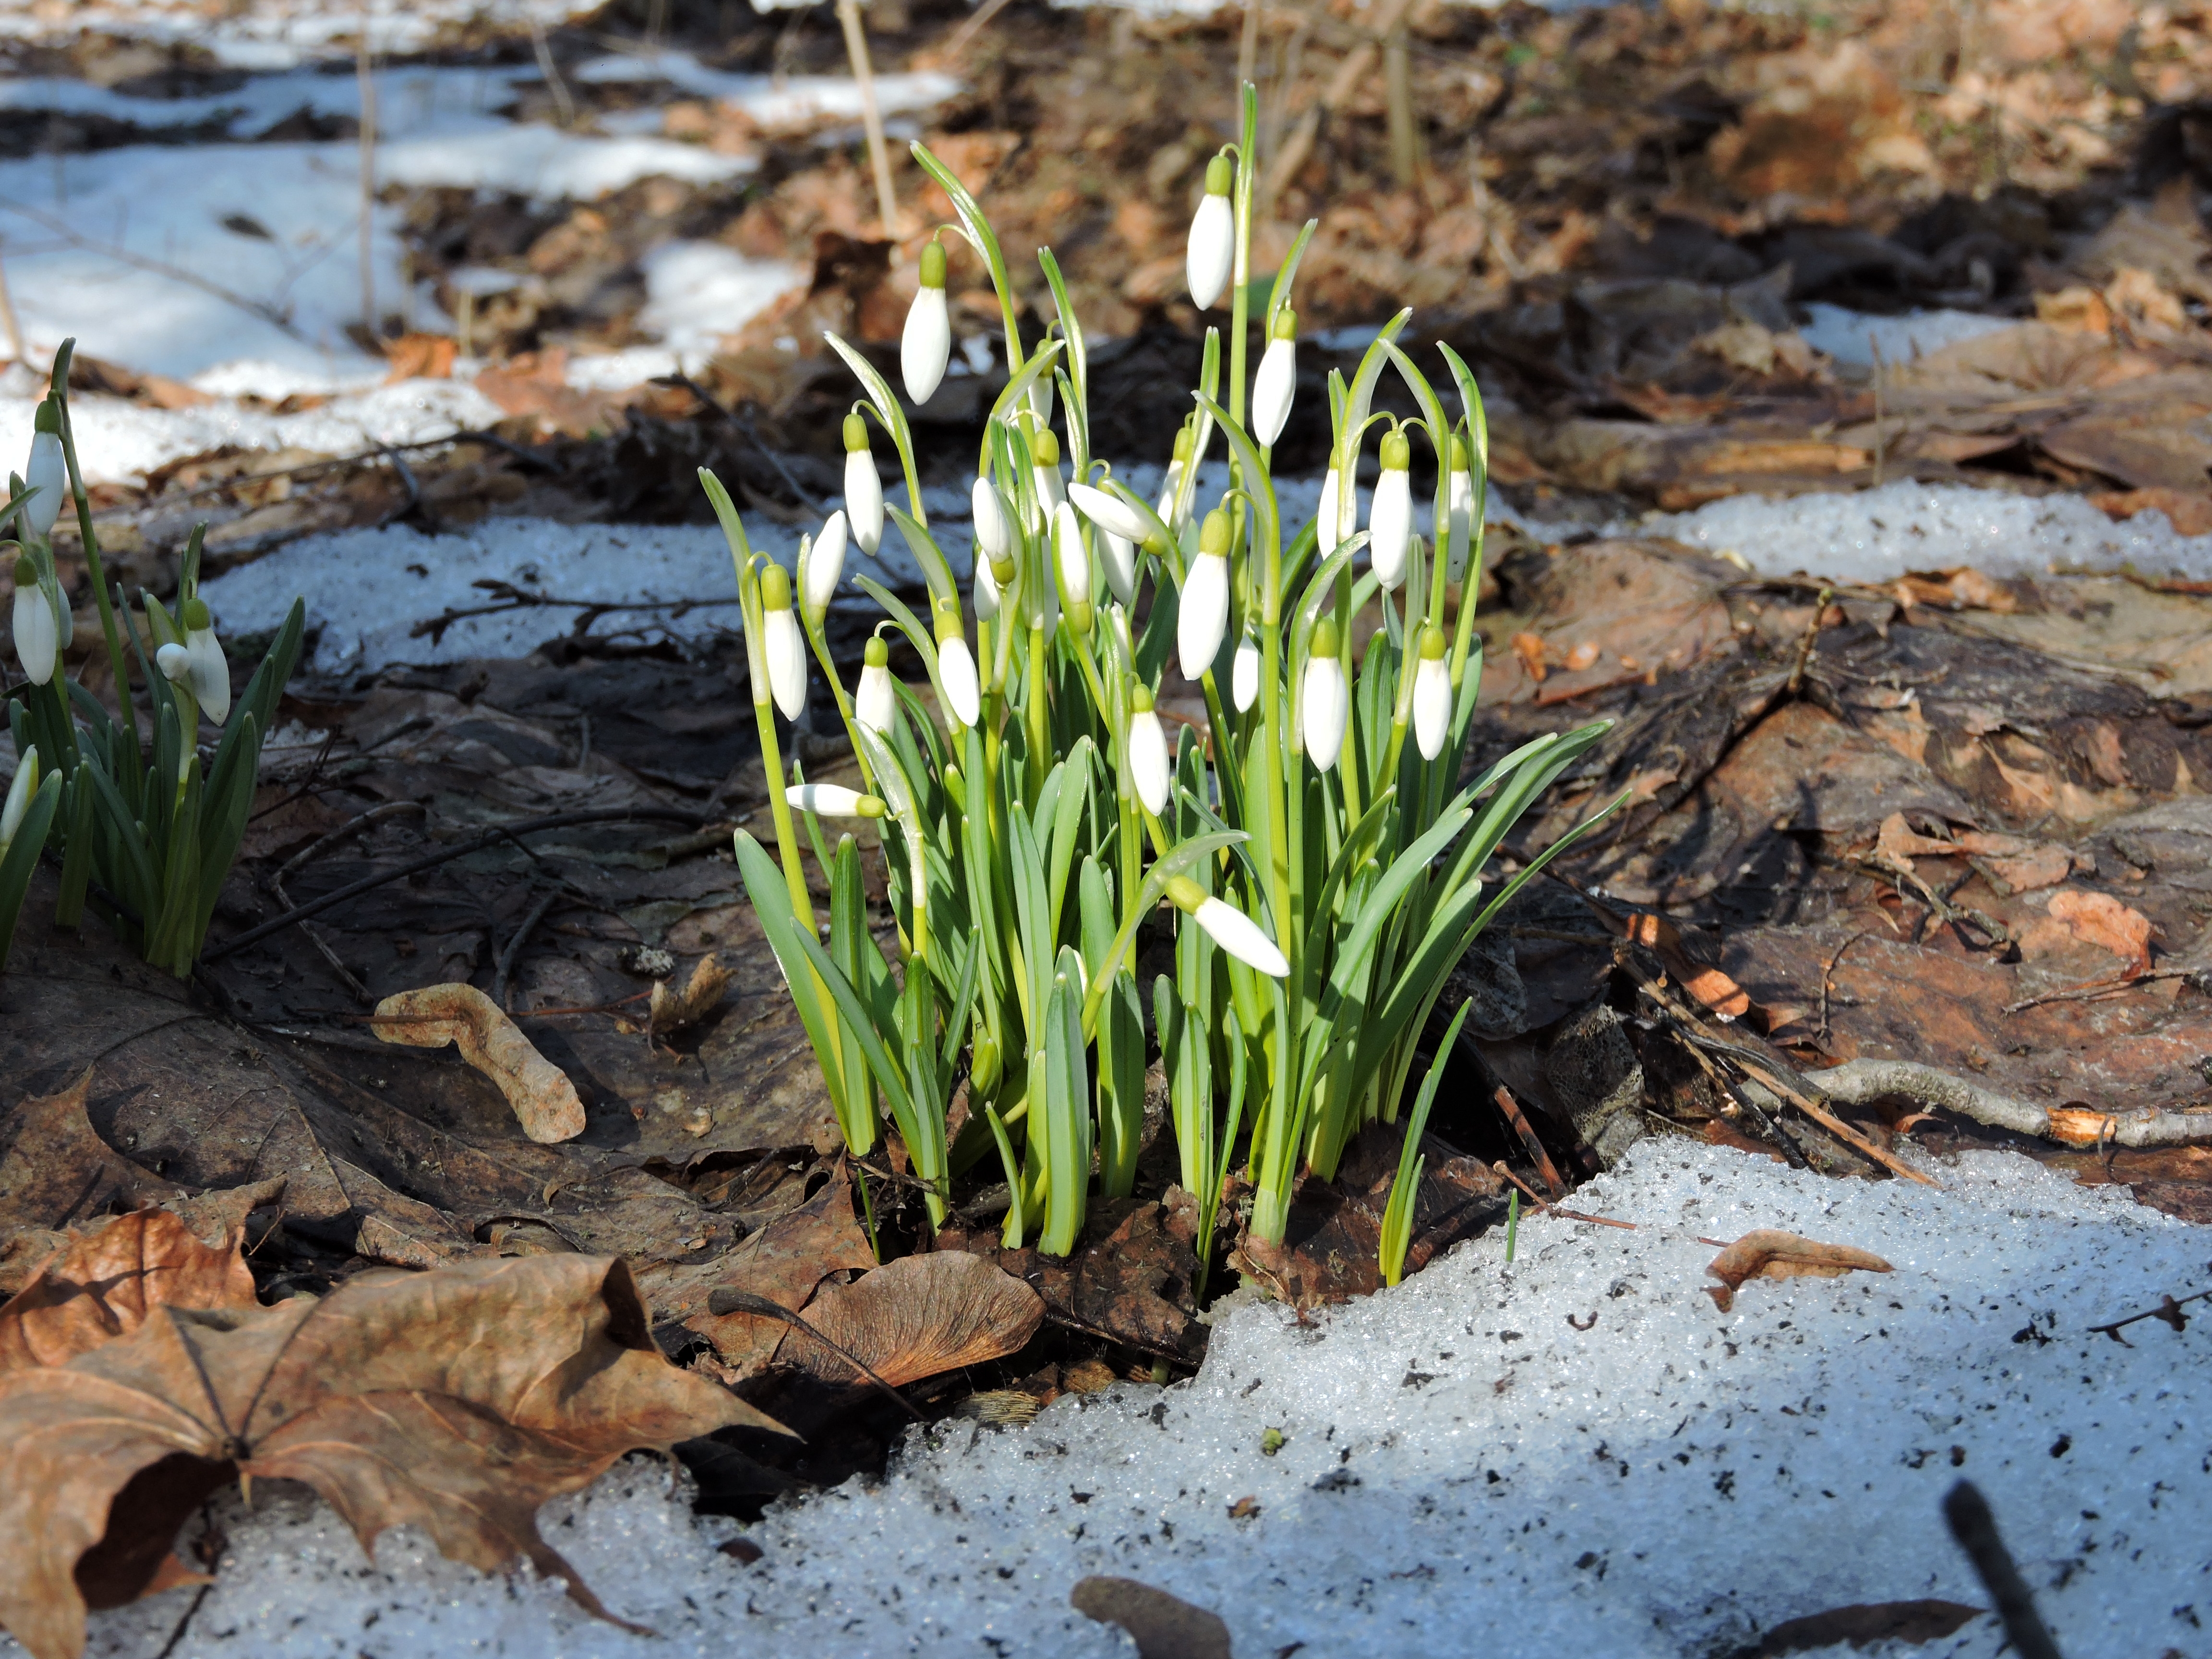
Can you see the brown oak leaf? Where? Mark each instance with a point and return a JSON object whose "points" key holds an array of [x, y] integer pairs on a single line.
{"points": [[104, 1282], [544, 1098], [920, 1315], [1768, 1252], [458, 1399]]}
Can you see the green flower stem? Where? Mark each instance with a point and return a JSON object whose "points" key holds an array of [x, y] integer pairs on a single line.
{"points": [[94, 567]]}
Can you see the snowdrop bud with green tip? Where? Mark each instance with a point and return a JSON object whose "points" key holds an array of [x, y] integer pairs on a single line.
{"points": [[48, 472], [991, 532], [1150, 770], [821, 564], [19, 799], [873, 701], [1390, 517], [1459, 510], [37, 642], [833, 800], [1433, 694], [210, 670], [782, 644], [927, 345], [1213, 251], [1244, 674], [1326, 705], [1228, 926], [1044, 451], [956, 668], [1276, 380], [1203, 616], [864, 491], [1109, 511], [1072, 566]]}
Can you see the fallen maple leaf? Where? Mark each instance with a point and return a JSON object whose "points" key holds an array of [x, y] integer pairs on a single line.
{"points": [[543, 1099], [920, 1315], [458, 1399], [104, 1282], [783, 1261], [2100, 920], [1770, 1253]]}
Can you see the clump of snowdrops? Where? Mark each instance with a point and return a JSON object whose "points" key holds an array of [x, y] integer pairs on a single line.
{"points": [[147, 833], [1313, 849]]}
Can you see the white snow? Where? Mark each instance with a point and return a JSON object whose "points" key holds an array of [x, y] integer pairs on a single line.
{"points": [[696, 292], [276, 35], [1457, 1458], [774, 103], [1852, 338]]}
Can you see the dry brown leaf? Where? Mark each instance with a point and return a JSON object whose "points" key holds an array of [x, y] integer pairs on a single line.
{"points": [[458, 1401], [106, 1280], [1770, 1253], [2100, 920], [1897, 843], [543, 1099], [1162, 1626], [920, 1315], [1708, 984], [671, 1010], [783, 1261], [1530, 650]]}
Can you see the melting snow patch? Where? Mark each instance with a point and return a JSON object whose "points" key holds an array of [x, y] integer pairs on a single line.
{"points": [[1854, 337], [774, 103], [1579, 1450], [268, 35]]}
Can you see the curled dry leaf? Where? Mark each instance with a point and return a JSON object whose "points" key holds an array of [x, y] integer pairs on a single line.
{"points": [[1162, 1626], [918, 1316], [106, 1281], [1768, 1252], [544, 1098], [458, 1401], [2100, 920], [783, 1262], [672, 1010]]}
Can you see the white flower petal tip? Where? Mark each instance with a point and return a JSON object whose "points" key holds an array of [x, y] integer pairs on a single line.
{"points": [[175, 664], [47, 472], [785, 647], [955, 667], [873, 703], [864, 490], [1203, 616], [1150, 770], [1213, 251], [37, 642], [1238, 934], [210, 673], [1458, 505], [991, 532], [1072, 557], [1271, 389], [1432, 701], [926, 347], [1120, 564], [1109, 511], [1325, 712], [832, 800], [1244, 674], [1329, 517], [1390, 526], [824, 565]]}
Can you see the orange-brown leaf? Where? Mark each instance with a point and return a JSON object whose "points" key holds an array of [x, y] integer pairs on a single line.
{"points": [[2100, 920], [1768, 1252], [104, 1282], [543, 1097], [458, 1399], [920, 1315]]}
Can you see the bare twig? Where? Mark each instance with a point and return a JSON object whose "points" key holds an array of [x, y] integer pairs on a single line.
{"points": [[543, 49], [1770, 1075], [973, 26], [730, 1300], [2168, 1311], [1828, 981], [1861, 1082], [1805, 644], [871, 115], [1967, 1513], [505, 967], [2098, 990], [1534, 1147], [1550, 1208], [300, 859]]}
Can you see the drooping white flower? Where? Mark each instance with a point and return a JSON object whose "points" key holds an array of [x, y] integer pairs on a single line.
{"points": [[37, 642], [864, 490], [1329, 517], [991, 532], [781, 644], [1070, 555], [1459, 509], [1228, 927], [1277, 379], [1044, 454], [47, 472], [25, 784], [1150, 770], [820, 565], [210, 670], [1390, 517], [175, 664], [1433, 694], [988, 595], [833, 800], [956, 669], [927, 345], [1109, 511], [874, 703], [1325, 702], [1186, 442], [1244, 674], [1212, 253], [1118, 561], [1202, 615]]}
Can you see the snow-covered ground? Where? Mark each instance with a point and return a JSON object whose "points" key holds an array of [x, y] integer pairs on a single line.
{"points": [[1464, 1468]]}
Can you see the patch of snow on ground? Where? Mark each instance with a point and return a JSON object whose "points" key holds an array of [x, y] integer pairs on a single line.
{"points": [[1852, 338], [276, 34], [1877, 535], [774, 103], [697, 292], [1457, 1458]]}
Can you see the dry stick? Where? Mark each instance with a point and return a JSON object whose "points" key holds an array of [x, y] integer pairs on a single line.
{"points": [[1545, 1204], [507, 958], [1860, 1082], [543, 50], [1247, 47], [431, 861], [1828, 980], [2168, 1311], [1398, 92], [727, 1300], [1967, 1513], [871, 115], [973, 26], [1764, 1072], [2098, 990], [299, 861], [1805, 645], [366, 81], [1534, 1147]]}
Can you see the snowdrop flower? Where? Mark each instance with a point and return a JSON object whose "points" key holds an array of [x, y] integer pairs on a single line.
{"points": [[991, 532], [1329, 516], [1244, 674], [1459, 509], [820, 564], [927, 345], [47, 472], [1228, 926], [1072, 562], [833, 800], [1109, 511], [19, 798], [1326, 704], [873, 703], [1044, 454], [175, 664], [1213, 237], [1276, 380], [956, 669], [1202, 617], [1390, 517], [1147, 751], [38, 641], [1186, 440], [782, 644], [1433, 694], [987, 586], [1120, 566], [864, 491], [210, 670]]}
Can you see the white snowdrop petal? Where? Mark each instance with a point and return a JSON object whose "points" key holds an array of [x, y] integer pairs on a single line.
{"points": [[1149, 768], [1460, 506], [786, 650], [210, 673], [927, 345], [175, 664], [1072, 557], [874, 703], [1109, 511], [1119, 559], [1238, 934], [986, 584], [37, 639], [1271, 389], [864, 500], [825, 563], [1203, 615], [1390, 525], [1325, 710], [991, 532], [1244, 674], [827, 800], [47, 472], [1213, 251], [1331, 530], [956, 666], [1432, 701]]}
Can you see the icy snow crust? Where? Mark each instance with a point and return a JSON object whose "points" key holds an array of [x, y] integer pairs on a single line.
{"points": [[1460, 1467]]}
